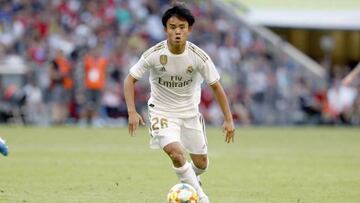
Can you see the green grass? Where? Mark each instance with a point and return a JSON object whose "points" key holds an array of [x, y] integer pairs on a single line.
{"points": [[265, 165]]}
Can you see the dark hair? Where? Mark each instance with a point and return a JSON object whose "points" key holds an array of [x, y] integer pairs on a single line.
{"points": [[179, 11]]}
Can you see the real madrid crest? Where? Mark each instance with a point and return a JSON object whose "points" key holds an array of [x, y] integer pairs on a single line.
{"points": [[163, 60], [189, 70]]}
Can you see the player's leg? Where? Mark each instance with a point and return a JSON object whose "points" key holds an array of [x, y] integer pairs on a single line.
{"points": [[200, 163], [182, 167], [165, 134], [194, 141], [175, 152]]}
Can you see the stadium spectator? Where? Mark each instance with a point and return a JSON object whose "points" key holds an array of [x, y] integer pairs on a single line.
{"points": [[35, 108], [113, 103], [61, 84], [310, 105], [341, 99], [95, 71]]}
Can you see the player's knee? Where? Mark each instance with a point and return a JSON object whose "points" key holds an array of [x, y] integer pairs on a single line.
{"points": [[201, 163], [177, 158]]}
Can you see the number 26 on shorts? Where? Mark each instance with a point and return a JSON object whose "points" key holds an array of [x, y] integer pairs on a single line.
{"points": [[158, 123]]}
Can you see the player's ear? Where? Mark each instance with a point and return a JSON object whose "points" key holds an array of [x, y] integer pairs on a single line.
{"points": [[190, 28]]}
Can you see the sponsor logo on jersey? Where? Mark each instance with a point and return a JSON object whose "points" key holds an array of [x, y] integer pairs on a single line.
{"points": [[174, 83], [189, 70]]}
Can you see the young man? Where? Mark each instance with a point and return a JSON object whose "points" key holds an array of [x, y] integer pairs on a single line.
{"points": [[177, 68]]}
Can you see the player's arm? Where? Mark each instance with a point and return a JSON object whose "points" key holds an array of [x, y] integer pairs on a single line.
{"points": [[352, 75], [134, 116], [228, 126]]}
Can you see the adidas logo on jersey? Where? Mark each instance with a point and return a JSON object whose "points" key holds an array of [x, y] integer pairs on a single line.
{"points": [[163, 69]]}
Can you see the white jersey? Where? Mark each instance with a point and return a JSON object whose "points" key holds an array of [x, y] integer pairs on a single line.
{"points": [[175, 79]]}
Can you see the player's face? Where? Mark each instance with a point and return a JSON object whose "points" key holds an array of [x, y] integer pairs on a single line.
{"points": [[177, 31]]}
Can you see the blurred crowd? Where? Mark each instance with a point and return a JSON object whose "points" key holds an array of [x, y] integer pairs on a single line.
{"points": [[63, 62]]}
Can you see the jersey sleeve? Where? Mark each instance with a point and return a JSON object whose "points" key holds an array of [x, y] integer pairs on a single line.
{"points": [[208, 72], [140, 68]]}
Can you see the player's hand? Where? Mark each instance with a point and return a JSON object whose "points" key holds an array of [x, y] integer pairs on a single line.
{"points": [[229, 131], [134, 120]]}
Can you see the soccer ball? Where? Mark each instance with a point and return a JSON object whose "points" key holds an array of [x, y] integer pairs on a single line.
{"points": [[182, 193]]}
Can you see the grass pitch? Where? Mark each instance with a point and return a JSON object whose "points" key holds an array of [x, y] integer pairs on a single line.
{"points": [[265, 165]]}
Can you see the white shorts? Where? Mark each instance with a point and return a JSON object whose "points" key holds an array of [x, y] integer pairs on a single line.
{"points": [[189, 132]]}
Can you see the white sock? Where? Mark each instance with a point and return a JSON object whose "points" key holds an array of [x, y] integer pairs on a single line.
{"points": [[197, 170], [187, 175]]}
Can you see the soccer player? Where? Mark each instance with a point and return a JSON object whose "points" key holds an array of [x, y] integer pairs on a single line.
{"points": [[177, 68], [352, 75]]}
